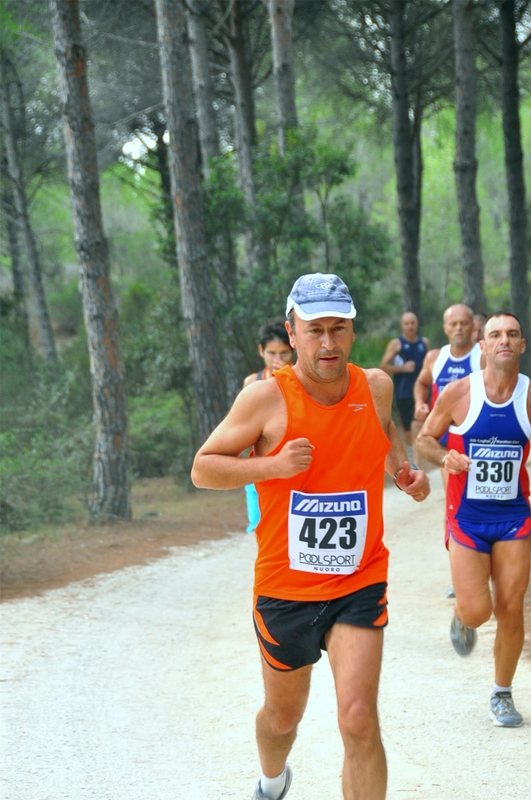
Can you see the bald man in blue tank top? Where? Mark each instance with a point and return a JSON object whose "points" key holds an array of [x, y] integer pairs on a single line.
{"points": [[488, 418]]}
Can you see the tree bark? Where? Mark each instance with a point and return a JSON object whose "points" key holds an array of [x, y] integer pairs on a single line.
{"points": [[465, 163], [281, 15], [245, 124], [206, 117], [209, 143], [19, 283], [28, 237], [110, 497], [403, 144], [161, 153], [515, 174], [10, 216], [196, 293]]}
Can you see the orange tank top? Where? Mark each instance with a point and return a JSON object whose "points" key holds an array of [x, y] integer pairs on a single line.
{"points": [[320, 534]]}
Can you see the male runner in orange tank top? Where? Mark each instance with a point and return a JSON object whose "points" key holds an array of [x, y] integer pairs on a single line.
{"points": [[323, 437]]}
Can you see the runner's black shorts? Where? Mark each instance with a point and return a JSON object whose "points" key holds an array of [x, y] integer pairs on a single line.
{"points": [[291, 634], [406, 411]]}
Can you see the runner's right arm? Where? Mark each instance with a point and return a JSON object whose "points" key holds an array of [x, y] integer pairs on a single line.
{"points": [[451, 403], [218, 465], [422, 386]]}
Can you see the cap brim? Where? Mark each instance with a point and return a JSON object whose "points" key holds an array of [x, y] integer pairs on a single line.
{"points": [[312, 311]]}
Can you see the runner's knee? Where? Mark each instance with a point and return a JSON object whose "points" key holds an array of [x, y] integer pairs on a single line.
{"points": [[281, 721], [358, 720], [474, 613], [509, 611]]}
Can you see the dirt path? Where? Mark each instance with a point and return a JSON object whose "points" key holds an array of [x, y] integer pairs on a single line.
{"points": [[143, 685]]}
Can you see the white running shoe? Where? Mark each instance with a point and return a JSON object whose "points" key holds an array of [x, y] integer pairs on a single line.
{"points": [[502, 711], [463, 639], [259, 795]]}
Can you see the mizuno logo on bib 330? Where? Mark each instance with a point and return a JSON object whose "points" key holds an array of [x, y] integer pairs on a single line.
{"points": [[480, 451]]}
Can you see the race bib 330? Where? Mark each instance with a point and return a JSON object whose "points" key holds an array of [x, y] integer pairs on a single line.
{"points": [[494, 471]]}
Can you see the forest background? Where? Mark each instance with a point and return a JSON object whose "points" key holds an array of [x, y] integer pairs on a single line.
{"points": [[276, 138]]}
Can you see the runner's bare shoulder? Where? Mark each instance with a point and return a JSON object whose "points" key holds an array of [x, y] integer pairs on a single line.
{"points": [[431, 357], [263, 402], [261, 395], [250, 379], [454, 392], [379, 381]]}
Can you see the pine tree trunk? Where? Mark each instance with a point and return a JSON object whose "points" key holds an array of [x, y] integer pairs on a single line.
{"points": [[197, 299], [245, 126], [206, 117], [28, 237], [110, 496], [465, 164], [209, 143], [515, 174], [19, 283], [280, 16], [403, 144]]}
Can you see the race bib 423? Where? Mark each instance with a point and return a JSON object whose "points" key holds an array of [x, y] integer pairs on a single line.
{"points": [[327, 531]]}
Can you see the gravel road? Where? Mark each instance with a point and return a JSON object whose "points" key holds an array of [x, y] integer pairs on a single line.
{"points": [[143, 685]]}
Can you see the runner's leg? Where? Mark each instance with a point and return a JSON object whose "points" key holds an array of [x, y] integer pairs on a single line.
{"points": [[355, 656], [470, 578], [510, 578], [286, 695]]}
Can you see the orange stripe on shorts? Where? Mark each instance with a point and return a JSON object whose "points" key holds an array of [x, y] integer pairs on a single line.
{"points": [[270, 660], [260, 624]]}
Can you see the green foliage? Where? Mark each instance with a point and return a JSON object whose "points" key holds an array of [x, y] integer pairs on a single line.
{"points": [[367, 351], [328, 166], [138, 225], [46, 434], [66, 309], [40, 470], [15, 361], [46, 455], [223, 202], [291, 242], [286, 233], [361, 253], [52, 222], [160, 436], [153, 340]]}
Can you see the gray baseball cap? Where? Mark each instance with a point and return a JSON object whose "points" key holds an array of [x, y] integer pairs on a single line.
{"points": [[320, 295]]}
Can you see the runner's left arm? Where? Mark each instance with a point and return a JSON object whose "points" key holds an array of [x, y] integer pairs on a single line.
{"points": [[413, 482]]}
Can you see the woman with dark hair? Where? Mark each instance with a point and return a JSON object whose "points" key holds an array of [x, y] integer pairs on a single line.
{"points": [[276, 352]]}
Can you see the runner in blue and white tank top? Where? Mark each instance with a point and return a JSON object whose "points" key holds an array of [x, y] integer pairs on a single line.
{"points": [[496, 489], [488, 415], [455, 360], [458, 358], [448, 368]]}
